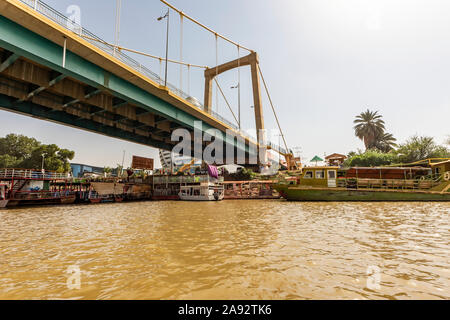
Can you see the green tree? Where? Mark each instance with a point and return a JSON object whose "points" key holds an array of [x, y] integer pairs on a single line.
{"points": [[419, 148], [385, 142], [18, 146], [107, 171], [370, 158], [55, 159], [7, 161], [368, 126], [23, 152], [65, 155]]}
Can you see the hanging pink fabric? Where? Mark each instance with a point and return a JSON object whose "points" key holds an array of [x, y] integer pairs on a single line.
{"points": [[213, 172]]}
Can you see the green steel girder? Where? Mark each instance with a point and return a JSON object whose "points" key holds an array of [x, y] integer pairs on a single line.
{"points": [[25, 43], [41, 112], [9, 61]]}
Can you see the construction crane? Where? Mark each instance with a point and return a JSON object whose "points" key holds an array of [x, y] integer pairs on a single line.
{"points": [[187, 166]]}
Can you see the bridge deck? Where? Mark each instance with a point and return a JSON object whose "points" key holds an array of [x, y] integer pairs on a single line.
{"points": [[94, 90]]}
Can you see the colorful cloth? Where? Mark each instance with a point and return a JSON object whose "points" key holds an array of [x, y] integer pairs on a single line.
{"points": [[213, 172]]}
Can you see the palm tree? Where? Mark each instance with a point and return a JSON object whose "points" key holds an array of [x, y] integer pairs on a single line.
{"points": [[385, 142], [368, 126]]}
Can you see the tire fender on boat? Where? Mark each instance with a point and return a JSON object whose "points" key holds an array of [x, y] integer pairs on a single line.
{"points": [[447, 176]]}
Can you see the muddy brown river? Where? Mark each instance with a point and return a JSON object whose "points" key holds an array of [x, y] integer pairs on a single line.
{"points": [[227, 250]]}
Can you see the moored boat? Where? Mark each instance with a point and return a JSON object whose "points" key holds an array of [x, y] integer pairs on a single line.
{"points": [[202, 192], [369, 184], [30, 187]]}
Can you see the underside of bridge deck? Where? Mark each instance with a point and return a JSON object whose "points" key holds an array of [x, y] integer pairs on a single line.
{"points": [[80, 94]]}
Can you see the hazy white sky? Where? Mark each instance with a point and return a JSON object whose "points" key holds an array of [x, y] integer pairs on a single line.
{"points": [[325, 61]]}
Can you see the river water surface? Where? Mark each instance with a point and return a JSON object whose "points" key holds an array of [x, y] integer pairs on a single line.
{"points": [[227, 250]]}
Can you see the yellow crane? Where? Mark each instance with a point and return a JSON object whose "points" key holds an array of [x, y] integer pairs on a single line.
{"points": [[187, 166]]}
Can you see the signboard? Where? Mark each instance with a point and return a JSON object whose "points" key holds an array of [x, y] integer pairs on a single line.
{"points": [[142, 163]]}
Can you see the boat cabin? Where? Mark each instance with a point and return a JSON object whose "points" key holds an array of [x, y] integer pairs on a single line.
{"points": [[319, 177], [202, 192], [441, 168]]}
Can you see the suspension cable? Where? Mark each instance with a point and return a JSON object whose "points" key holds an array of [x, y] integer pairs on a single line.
{"points": [[217, 73], [226, 101], [181, 52], [160, 71], [203, 26], [119, 48], [117, 31], [273, 108], [239, 86]]}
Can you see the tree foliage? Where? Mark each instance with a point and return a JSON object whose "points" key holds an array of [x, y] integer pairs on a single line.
{"points": [[384, 142], [18, 151], [370, 128], [18, 146], [370, 158], [419, 148], [241, 175], [415, 149]]}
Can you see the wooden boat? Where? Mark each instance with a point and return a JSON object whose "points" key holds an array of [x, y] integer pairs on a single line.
{"points": [[368, 184]]}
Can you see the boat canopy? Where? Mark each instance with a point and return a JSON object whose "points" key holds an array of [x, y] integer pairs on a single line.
{"points": [[387, 172]]}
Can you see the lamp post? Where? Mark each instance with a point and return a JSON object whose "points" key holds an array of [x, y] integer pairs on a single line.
{"points": [[42, 167], [167, 15]]}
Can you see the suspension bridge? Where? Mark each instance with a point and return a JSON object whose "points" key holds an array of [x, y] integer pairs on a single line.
{"points": [[51, 68]]}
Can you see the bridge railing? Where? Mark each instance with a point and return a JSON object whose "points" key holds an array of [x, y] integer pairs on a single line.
{"points": [[67, 23]]}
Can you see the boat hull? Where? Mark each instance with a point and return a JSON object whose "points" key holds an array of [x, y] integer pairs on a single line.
{"points": [[202, 198], [36, 202], [166, 198], [338, 195]]}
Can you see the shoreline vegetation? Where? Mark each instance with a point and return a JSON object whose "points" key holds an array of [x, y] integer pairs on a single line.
{"points": [[382, 148], [19, 151]]}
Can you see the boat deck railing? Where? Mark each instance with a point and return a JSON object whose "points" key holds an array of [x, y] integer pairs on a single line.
{"points": [[42, 195], [28, 174], [360, 183]]}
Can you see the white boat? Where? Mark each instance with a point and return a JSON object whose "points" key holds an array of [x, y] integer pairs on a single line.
{"points": [[202, 192]]}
